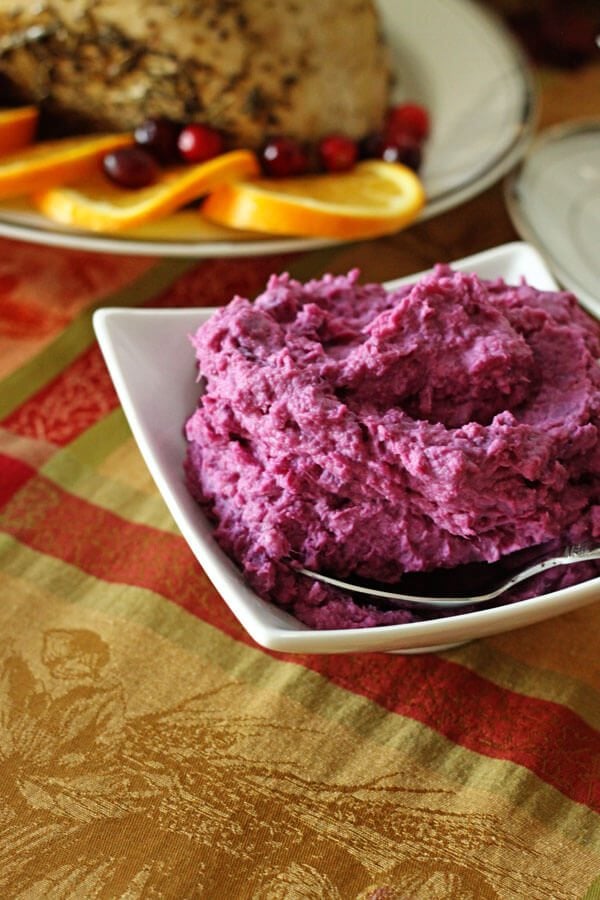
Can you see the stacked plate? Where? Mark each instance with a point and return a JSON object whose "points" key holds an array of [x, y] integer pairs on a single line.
{"points": [[554, 201]]}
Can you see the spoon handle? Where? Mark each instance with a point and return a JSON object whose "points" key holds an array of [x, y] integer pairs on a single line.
{"points": [[570, 556]]}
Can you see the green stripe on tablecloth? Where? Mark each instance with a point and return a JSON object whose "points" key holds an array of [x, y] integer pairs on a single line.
{"points": [[101, 439], [75, 472], [309, 265], [593, 892], [513, 675], [251, 665], [29, 378]]}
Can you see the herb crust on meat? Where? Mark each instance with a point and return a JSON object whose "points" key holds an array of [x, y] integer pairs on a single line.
{"points": [[251, 68]]}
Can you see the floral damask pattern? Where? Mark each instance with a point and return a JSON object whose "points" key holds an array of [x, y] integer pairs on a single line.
{"points": [[42, 289], [97, 802]]}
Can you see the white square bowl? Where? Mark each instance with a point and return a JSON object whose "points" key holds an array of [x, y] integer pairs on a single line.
{"points": [[153, 368]]}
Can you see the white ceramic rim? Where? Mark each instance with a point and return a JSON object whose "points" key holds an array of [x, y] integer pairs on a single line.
{"points": [[519, 213], [268, 625]]}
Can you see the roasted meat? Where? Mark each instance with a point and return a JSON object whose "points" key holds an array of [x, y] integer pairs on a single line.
{"points": [[252, 68]]}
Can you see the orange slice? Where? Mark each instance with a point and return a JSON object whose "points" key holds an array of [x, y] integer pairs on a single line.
{"points": [[374, 198], [55, 162], [96, 204], [17, 128]]}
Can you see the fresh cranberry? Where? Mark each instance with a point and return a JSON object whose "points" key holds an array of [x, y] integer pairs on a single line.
{"points": [[407, 118], [159, 137], [130, 167], [198, 143], [406, 151], [283, 157], [337, 153], [371, 146]]}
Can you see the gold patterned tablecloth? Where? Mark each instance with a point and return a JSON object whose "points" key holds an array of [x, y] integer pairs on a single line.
{"points": [[148, 748]]}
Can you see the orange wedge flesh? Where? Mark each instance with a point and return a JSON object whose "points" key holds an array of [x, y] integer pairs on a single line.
{"points": [[374, 198], [17, 128], [96, 204], [55, 162]]}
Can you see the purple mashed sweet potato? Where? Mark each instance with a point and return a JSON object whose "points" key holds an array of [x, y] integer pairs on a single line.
{"points": [[358, 431]]}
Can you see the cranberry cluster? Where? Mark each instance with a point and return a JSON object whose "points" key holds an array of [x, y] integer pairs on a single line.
{"points": [[160, 141], [401, 139]]}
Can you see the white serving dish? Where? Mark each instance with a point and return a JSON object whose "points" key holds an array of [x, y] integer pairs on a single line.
{"points": [[154, 373]]}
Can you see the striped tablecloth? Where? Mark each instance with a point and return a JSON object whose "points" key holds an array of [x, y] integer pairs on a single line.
{"points": [[149, 749]]}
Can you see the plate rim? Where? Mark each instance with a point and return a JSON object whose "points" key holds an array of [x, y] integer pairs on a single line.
{"points": [[519, 214], [410, 637]]}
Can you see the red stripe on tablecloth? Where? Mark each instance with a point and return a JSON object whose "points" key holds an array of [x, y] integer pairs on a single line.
{"points": [[67, 405], [550, 740], [13, 475], [83, 393], [52, 521]]}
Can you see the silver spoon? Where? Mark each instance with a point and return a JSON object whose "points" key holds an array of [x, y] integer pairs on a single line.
{"points": [[566, 557]]}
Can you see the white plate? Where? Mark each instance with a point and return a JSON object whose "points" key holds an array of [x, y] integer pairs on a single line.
{"points": [[154, 372], [451, 55], [554, 201]]}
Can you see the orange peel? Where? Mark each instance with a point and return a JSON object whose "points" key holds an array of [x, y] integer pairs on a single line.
{"points": [[48, 163], [17, 128], [372, 199], [96, 204]]}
